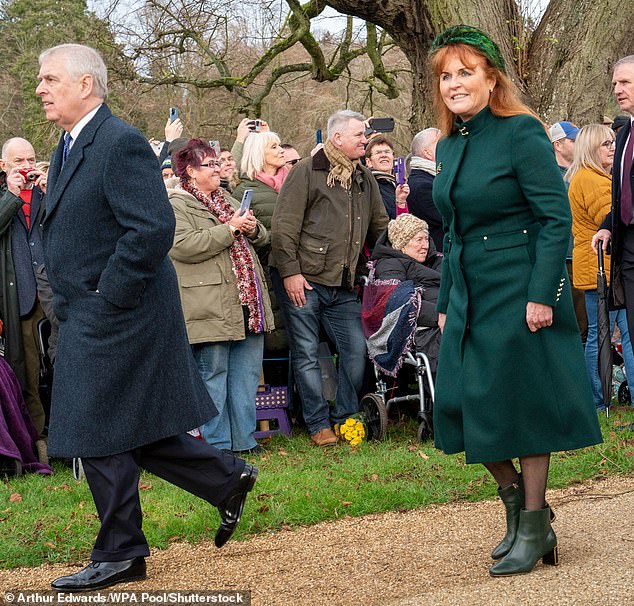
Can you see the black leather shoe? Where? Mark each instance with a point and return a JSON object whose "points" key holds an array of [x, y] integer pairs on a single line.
{"points": [[98, 575], [231, 509]]}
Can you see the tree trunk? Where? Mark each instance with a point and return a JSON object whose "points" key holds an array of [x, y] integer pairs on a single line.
{"points": [[571, 56], [563, 67]]}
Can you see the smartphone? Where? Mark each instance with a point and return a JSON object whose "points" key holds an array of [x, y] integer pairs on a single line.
{"points": [[246, 201], [382, 125], [173, 113], [258, 124], [399, 170], [215, 145], [318, 136]]}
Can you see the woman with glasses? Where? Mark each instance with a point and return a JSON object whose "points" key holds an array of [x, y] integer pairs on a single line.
{"points": [[222, 287], [590, 195], [379, 158]]}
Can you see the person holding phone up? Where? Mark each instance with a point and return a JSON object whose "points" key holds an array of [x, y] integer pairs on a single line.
{"points": [[225, 302]]}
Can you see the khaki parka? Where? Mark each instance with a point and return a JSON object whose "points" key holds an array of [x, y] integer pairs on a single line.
{"points": [[318, 230], [206, 280]]}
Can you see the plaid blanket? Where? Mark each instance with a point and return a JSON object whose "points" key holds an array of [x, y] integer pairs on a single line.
{"points": [[388, 315]]}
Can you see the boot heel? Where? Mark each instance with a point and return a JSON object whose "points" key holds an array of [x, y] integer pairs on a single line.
{"points": [[552, 557]]}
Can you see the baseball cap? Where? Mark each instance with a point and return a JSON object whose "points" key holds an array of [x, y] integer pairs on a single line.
{"points": [[563, 130]]}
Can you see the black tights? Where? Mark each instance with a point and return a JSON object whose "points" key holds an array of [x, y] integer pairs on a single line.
{"points": [[534, 473]]}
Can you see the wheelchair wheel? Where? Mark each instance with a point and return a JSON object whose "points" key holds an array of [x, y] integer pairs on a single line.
{"points": [[375, 412], [425, 429], [624, 395]]}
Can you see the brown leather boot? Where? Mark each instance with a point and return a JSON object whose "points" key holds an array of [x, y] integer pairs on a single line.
{"points": [[324, 437]]}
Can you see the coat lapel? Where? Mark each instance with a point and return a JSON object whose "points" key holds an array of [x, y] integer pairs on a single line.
{"points": [[62, 176]]}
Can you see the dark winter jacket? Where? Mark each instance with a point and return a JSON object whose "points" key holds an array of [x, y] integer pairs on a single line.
{"points": [[387, 187], [420, 203], [393, 264], [9, 301]]}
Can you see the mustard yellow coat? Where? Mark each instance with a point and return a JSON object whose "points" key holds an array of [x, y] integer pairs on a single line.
{"points": [[590, 196]]}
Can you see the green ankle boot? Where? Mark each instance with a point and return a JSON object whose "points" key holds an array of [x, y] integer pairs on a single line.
{"points": [[535, 539], [513, 498]]}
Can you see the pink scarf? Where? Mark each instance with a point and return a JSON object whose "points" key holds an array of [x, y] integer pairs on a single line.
{"points": [[274, 181], [241, 258]]}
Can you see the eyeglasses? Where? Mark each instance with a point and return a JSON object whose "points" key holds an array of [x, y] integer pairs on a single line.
{"points": [[214, 164], [293, 162], [382, 152], [608, 144]]}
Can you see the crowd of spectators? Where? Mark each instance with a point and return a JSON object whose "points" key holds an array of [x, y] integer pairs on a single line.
{"points": [[275, 281]]}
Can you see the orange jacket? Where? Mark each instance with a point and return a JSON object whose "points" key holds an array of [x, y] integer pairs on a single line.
{"points": [[590, 195]]}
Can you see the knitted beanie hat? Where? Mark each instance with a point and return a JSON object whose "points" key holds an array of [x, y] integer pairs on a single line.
{"points": [[402, 229]]}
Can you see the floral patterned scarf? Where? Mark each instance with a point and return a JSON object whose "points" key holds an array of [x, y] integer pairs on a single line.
{"points": [[242, 261]]}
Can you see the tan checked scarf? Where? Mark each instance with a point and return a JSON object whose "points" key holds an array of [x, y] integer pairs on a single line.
{"points": [[341, 167]]}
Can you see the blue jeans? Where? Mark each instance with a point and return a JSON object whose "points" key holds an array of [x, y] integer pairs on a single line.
{"points": [[338, 311], [592, 345], [231, 372]]}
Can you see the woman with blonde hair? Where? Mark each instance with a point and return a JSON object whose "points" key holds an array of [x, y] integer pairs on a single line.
{"points": [[590, 196], [264, 170], [510, 380]]}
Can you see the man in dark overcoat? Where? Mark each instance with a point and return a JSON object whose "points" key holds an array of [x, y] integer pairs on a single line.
{"points": [[126, 389], [619, 224]]}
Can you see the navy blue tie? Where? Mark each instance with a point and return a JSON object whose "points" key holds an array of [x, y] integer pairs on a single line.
{"points": [[67, 140]]}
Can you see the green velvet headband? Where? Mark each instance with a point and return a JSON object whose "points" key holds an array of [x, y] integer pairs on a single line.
{"points": [[471, 36]]}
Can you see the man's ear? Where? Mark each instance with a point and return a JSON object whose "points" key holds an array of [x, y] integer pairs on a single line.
{"points": [[336, 139], [3, 165], [86, 85]]}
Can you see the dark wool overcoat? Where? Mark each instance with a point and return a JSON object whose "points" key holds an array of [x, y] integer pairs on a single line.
{"points": [[613, 221], [501, 390], [124, 372]]}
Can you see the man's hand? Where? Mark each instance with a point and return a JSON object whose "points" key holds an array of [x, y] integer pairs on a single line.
{"points": [[173, 130], [538, 316], [41, 180], [604, 235], [295, 286], [15, 181]]}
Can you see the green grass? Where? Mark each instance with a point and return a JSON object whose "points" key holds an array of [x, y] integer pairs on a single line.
{"points": [[53, 518]]}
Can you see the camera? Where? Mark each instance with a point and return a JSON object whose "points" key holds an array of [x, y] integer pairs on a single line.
{"points": [[255, 125], [29, 174]]}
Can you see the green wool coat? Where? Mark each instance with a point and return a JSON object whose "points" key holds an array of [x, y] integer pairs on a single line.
{"points": [[502, 391]]}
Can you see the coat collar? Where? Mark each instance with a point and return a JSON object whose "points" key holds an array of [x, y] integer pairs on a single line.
{"points": [[58, 178], [321, 162], [476, 124]]}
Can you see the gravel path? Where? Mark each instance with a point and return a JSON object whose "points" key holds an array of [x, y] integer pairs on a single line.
{"points": [[433, 556]]}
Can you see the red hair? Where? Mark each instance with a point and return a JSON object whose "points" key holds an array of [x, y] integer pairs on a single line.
{"points": [[504, 100], [193, 154]]}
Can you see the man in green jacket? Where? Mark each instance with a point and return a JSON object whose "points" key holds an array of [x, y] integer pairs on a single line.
{"points": [[327, 207]]}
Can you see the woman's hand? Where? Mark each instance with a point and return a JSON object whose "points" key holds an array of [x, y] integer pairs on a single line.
{"points": [[246, 223], [442, 318], [538, 316], [243, 130], [402, 191]]}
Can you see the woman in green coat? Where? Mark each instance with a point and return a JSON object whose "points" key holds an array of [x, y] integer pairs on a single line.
{"points": [[511, 376]]}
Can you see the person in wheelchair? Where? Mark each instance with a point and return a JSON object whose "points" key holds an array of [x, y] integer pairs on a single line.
{"points": [[406, 252]]}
